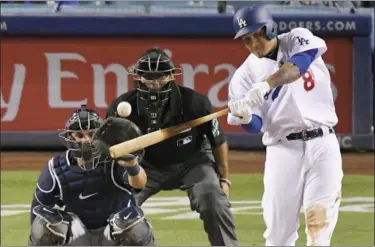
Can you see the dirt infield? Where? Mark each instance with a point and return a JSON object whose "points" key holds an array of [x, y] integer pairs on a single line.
{"points": [[240, 161]]}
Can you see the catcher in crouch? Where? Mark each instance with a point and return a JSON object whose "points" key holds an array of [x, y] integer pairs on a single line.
{"points": [[94, 194], [183, 161]]}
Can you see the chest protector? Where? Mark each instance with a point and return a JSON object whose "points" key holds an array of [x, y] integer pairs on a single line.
{"points": [[92, 195]]}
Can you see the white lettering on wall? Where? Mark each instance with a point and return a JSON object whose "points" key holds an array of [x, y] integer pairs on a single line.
{"points": [[15, 94], [188, 73], [99, 82], [213, 92], [3, 26], [55, 74], [332, 69]]}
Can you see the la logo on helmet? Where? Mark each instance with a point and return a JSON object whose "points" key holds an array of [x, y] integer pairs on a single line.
{"points": [[241, 22]]}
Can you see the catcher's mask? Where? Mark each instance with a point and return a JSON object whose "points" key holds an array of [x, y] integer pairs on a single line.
{"points": [[77, 136], [154, 74]]}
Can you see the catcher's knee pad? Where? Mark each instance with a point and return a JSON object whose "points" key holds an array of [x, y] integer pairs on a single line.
{"points": [[50, 227], [130, 228]]}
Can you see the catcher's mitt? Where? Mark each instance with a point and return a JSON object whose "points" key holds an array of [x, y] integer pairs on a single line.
{"points": [[114, 131]]}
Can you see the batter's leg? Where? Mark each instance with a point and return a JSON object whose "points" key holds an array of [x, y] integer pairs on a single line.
{"points": [[322, 195], [208, 199], [283, 189]]}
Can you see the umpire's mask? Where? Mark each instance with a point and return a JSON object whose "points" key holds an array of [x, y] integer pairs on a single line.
{"points": [[154, 74], [77, 136]]}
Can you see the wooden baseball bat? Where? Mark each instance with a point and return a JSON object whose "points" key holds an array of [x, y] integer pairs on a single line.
{"points": [[157, 136]]}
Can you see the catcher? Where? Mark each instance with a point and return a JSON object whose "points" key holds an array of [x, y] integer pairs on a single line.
{"points": [[181, 162], [85, 198]]}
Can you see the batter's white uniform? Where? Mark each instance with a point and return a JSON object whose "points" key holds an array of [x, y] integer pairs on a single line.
{"points": [[298, 173]]}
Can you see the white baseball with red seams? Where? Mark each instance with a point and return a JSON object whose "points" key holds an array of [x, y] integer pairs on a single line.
{"points": [[124, 109]]}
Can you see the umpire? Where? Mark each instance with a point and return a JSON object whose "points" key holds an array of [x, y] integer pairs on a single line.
{"points": [[181, 161]]}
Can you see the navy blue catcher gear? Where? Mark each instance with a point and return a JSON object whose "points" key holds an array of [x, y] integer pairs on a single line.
{"points": [[130, 228], [81, 120], [249, 19], [49, 227]]}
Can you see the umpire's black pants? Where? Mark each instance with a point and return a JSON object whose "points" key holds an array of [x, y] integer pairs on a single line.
{"points": [[198, 177]]}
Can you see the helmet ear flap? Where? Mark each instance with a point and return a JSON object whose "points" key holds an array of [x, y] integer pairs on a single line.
{"points": [[271, 30], [274, 29]]}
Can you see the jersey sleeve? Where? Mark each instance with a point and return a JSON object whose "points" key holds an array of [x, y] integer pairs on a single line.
{"points": [[212, 128], [301, 40], [239, 85], [47, 192]]}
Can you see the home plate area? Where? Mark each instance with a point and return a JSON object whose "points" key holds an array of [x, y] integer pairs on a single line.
{"points": [[178, 208]]}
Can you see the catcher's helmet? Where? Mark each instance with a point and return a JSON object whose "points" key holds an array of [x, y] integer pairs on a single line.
{"points": [[250, 19], [82, 120]]}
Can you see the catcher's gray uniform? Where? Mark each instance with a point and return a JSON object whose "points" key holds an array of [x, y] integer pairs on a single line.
{"points": [[86, 237]]}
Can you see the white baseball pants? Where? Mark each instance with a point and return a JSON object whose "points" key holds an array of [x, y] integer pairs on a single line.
{"points": [[303, 175]]}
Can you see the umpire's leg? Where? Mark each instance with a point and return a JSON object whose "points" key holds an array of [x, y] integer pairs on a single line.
{"points": [[208, 199], [153, 185]]}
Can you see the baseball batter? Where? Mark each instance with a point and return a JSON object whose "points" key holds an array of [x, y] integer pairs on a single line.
{"points": [[283, 90]]}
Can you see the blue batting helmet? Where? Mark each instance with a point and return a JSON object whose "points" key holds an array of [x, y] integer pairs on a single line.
{"points": [[250, 19]]}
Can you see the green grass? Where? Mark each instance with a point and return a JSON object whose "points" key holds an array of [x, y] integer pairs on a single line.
{"points": [[353, 228]]}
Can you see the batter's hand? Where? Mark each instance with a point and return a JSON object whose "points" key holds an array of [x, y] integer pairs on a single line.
{"points": [[240, 110], [225, 188], [255, 96]]}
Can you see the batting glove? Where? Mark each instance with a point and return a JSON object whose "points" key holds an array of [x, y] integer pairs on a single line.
{"points": [[240, 111], [255, 96]]}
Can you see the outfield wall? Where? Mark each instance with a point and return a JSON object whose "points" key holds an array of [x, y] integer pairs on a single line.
{"points": [[52, 64]]}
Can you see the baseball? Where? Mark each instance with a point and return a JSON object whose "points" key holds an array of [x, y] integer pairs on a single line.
{"points": [[124, 109]]}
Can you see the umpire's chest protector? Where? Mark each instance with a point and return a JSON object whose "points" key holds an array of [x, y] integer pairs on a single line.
{"points": [[92, 195], [188, 144]]}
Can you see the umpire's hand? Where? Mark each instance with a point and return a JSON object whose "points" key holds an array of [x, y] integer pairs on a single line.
{"points": [[225, 188]]}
